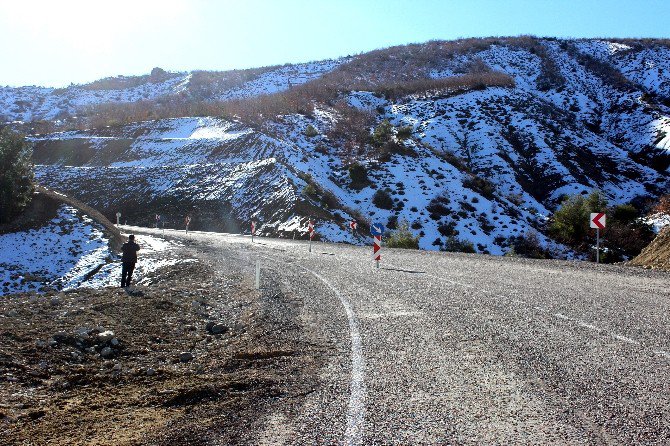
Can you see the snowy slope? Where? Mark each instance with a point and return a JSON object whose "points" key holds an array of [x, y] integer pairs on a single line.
{"points": [[70, 251], [482, 166], [39, 103]]}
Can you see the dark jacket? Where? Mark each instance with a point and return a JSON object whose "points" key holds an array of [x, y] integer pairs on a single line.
{"points": [[129, 250]]}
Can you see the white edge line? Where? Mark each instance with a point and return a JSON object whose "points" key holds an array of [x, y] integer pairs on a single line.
{"points": [[356, 410]]}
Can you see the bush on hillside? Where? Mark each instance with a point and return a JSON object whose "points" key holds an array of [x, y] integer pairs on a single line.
{"points": [[626, 234], [527, 245], [570, 222], [624, 237], [382, 199], [358, 175], [311, 131], [382, 133], [402, 237], [404, 132], [481, 185], [455, 244], [16, 176]]}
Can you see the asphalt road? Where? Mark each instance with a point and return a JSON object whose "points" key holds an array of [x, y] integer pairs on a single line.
{"points": [[436, 348]]}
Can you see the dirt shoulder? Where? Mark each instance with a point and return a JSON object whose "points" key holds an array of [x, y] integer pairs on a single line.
{"points": [[657, 254], [194, 358]]}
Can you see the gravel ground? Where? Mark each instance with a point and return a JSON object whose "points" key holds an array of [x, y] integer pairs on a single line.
{"points": [[431, 348], [470, 349]]}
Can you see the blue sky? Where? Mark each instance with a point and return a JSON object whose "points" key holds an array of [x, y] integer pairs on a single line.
{"points": [[54, 43]]}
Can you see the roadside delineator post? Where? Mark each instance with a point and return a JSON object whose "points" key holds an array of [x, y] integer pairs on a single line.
{"points": [[258, 275], [253, 230], [377, 247], [377, 230], [158, 220], [310, 229], [187, 221], [118, 217]]}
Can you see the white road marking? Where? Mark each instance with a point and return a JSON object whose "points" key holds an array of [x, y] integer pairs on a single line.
{"points": [[356, 412], [391, 314], [589, 326], [625, 339], [556, 315]]}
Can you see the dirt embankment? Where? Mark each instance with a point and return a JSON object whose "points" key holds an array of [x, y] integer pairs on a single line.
{"points": [[657, 254], [191, 359]]}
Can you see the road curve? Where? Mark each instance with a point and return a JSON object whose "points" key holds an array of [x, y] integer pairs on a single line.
{"points": [[436, 348]]}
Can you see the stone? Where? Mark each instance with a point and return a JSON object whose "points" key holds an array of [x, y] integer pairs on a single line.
{"points": [[106, 352], [209, 326], [12, 313], [114, 342], [219, 328], [150, 372], [82, 334], [60, 336], [40, 343], [117, 367], [185, 357], [106, 336]]}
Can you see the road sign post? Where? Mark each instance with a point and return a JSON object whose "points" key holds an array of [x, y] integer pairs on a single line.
{"points": [[353, 225], [187, 222], [310, 229], [253, 230], [598, 221], [118, 218], [377, 230], [158, 220]]}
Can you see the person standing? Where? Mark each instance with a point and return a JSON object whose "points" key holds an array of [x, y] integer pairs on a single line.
{"points": [[128, 260]]}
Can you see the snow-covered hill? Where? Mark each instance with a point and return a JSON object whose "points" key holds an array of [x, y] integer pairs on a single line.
{"points": [[40, 103], [479, 164], [68, 251]]}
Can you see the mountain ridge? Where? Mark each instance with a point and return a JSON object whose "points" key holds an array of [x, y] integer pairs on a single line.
{"points": [[475, 140]]}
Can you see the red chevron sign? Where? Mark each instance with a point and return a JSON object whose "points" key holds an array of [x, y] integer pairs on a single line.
{"points": [[377, 247], [598, 220], [310, 228], [353, 225]]}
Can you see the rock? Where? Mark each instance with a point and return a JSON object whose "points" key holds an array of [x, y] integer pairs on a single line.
{"points": [[150, 372], [90, 350], [106, 336], [185, 357], [40, 343], [114, 342], [209, 326], [219, 328], [82, 333], [12, 313], [55, 301], [60, 336], [106, 352], [117, 367]]}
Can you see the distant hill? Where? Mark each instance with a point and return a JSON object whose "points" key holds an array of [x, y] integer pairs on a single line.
{"points": [[474, 140]]}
